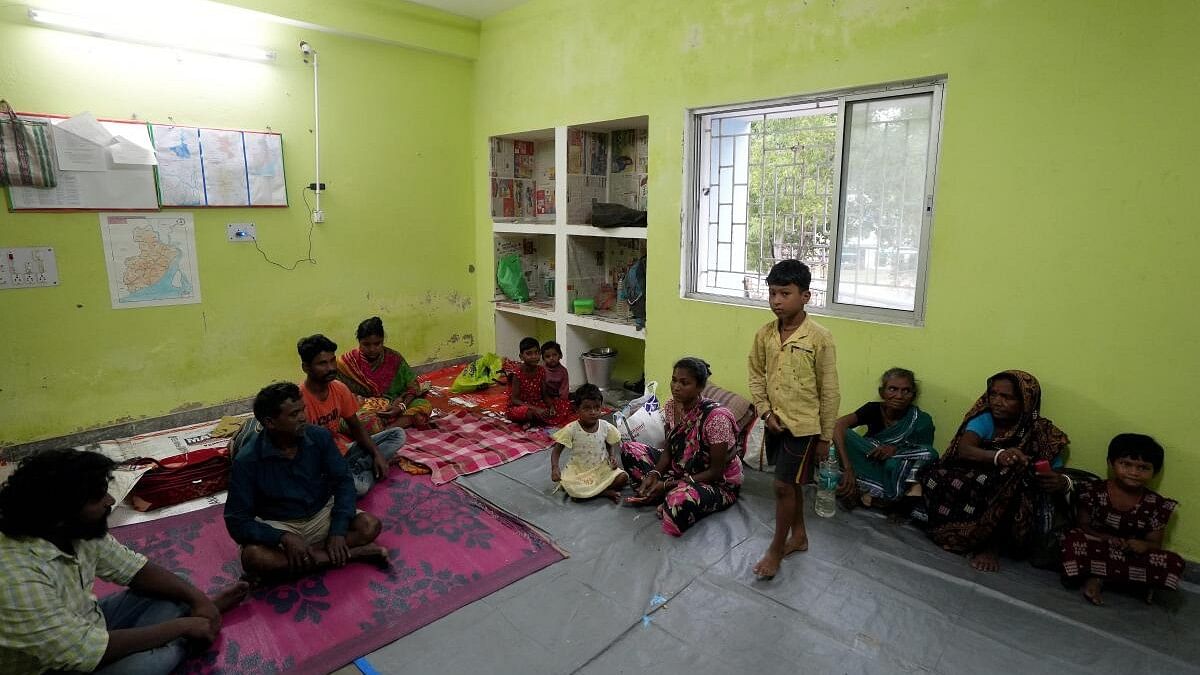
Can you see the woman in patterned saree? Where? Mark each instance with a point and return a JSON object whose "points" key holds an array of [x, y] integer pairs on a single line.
{"points": [[986, 495], [697, 473], [388, 389]]}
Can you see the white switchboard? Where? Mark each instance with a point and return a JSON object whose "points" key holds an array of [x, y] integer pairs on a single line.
{"points": [[28, 267]]}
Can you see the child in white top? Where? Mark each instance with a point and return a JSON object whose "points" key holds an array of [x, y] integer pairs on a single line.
{"points": [[593, 468]]}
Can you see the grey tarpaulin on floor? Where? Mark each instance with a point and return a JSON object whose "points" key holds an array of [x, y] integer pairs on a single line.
{"points": [[869, 597]]}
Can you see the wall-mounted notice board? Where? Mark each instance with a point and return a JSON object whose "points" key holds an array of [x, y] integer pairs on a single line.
{"points": [[104, 185]]}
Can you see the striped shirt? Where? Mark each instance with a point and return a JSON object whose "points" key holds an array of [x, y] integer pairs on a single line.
{"points": [[49, 616]]}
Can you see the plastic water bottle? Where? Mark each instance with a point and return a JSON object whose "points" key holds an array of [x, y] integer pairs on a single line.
{"points": [[827, 481]]}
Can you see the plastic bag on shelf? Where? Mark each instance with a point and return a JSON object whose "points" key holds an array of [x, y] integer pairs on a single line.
{"points": [[511, 278]]}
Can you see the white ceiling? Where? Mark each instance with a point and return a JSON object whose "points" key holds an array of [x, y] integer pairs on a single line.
{"points": [[476, 9]]}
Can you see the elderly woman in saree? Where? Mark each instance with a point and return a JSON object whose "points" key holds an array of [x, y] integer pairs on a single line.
{"points": [[697, 474], [388, 389], [997, 487], [882, 465]]}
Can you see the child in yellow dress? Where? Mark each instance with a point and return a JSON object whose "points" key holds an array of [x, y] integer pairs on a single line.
{"points": [[593, 468]]}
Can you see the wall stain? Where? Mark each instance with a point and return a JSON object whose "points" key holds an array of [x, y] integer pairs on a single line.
{"points": [[186, 406], [459, 301]]}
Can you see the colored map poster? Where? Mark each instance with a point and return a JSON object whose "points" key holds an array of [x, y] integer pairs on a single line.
{"points": [[224, 158], [180, 176], [264, 169], [217, 167], [151, 259]]}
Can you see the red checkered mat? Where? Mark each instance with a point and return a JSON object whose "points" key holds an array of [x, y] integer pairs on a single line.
{"points": [[463, 443]]}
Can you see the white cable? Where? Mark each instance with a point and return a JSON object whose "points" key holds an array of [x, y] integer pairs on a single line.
{"points": [[317, 130]]}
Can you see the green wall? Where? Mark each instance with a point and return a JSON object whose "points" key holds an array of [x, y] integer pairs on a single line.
{"points": [[397, 241], [1064, 237]]}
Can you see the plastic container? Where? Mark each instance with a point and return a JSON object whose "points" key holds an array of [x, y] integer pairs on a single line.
{"points": [[828, 477], [598, 366], [584, 305]]}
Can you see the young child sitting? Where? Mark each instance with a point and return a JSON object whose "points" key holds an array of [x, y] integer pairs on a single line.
{"points": [[525, 387], [1120, 525], [593, 468], [556, 390]]}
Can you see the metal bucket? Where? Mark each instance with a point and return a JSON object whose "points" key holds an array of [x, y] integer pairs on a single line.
{"points": [[598, 366]]}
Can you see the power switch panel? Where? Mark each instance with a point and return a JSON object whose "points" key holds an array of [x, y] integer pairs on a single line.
{"points": [[241, 232], [28, 267]]}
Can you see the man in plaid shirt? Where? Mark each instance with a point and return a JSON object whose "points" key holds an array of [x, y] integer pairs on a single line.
{"points": [[54, 542]]}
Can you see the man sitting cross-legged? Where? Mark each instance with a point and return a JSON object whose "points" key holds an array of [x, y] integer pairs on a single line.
{"points": [[291, 497], [54, 542]]}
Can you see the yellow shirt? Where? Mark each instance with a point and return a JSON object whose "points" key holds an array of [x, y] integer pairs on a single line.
{"points": [[797, 380], [49, 616]]}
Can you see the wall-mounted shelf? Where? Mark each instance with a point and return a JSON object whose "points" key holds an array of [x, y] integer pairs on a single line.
{"points": [[615, 232], [543, 186]]}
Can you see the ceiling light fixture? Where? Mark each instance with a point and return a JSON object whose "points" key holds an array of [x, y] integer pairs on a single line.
{"points": [[113, 30]]}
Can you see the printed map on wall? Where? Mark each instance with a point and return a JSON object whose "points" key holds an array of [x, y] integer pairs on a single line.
{"points": [[180, 176], [223, 157], [217, 167], [151, 259]]}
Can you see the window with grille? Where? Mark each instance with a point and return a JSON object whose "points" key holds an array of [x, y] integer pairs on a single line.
{"points": [[842, 181]]}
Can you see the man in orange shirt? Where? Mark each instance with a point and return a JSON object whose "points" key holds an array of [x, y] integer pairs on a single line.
{"points": [[330, 404]]}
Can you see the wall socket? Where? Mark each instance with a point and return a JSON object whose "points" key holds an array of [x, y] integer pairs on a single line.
{"points": [[241, 232]]}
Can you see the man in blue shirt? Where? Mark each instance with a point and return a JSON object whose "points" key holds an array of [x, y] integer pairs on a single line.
{"points": [[291, 497]]}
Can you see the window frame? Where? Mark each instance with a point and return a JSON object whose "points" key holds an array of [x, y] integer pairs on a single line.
{"points": [[695, 160]]}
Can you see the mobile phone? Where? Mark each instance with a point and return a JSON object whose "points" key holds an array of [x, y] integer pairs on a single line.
{"points": [[1041, 466]]}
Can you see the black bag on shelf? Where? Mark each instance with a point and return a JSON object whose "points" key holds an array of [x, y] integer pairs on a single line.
{"points": [[605, 214]]}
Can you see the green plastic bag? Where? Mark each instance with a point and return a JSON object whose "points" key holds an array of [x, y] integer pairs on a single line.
{"points": [[511, 278], [484, 371]]}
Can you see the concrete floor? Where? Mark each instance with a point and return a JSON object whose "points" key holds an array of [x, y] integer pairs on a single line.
{"points": [[869, 597]]}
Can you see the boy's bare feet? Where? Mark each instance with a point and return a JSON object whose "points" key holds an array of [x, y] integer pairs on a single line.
{"points": [[798, 543], [1091, 590], [985, 561], [229, 598], [614, 495], [768, 567]]}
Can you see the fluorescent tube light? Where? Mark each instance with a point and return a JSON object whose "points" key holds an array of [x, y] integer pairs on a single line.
{"points": [[113, 30]]}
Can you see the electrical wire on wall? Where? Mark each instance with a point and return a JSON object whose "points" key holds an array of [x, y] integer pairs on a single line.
{"points": [[315, 214], [307, 256]]}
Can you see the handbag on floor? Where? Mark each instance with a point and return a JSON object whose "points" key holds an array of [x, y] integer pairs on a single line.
{"points": [[181, 478], [25, 159]]}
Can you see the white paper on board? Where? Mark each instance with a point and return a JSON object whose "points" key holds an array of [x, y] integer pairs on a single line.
{"points": [[126, 152], [85, 126], [75, 153]]}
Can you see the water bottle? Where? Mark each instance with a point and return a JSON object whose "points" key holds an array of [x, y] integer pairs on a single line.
{"points": [[827, 481]]}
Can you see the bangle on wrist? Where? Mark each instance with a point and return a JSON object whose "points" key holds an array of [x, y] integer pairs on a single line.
{"points": [[996, 457], [656, 472]]}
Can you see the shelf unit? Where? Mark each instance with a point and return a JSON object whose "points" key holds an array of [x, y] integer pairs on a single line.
{"points": [[543, 186]]}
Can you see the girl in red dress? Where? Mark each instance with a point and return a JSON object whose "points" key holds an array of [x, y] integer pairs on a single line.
{"points": [[525, 387]]}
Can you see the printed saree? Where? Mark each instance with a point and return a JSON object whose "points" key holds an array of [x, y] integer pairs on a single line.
{"points": [[377, 385], [912, 436], [970, 505]]}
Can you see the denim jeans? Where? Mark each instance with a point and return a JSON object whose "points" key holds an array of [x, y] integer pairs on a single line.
{"points": [[362, 464], [130, 610]]}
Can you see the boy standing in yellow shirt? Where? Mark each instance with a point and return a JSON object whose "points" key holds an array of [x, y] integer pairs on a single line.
{"points": [[793, 379]]}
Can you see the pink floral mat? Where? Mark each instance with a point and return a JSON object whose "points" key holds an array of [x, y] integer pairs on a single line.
{"points": [[448, 549]]}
